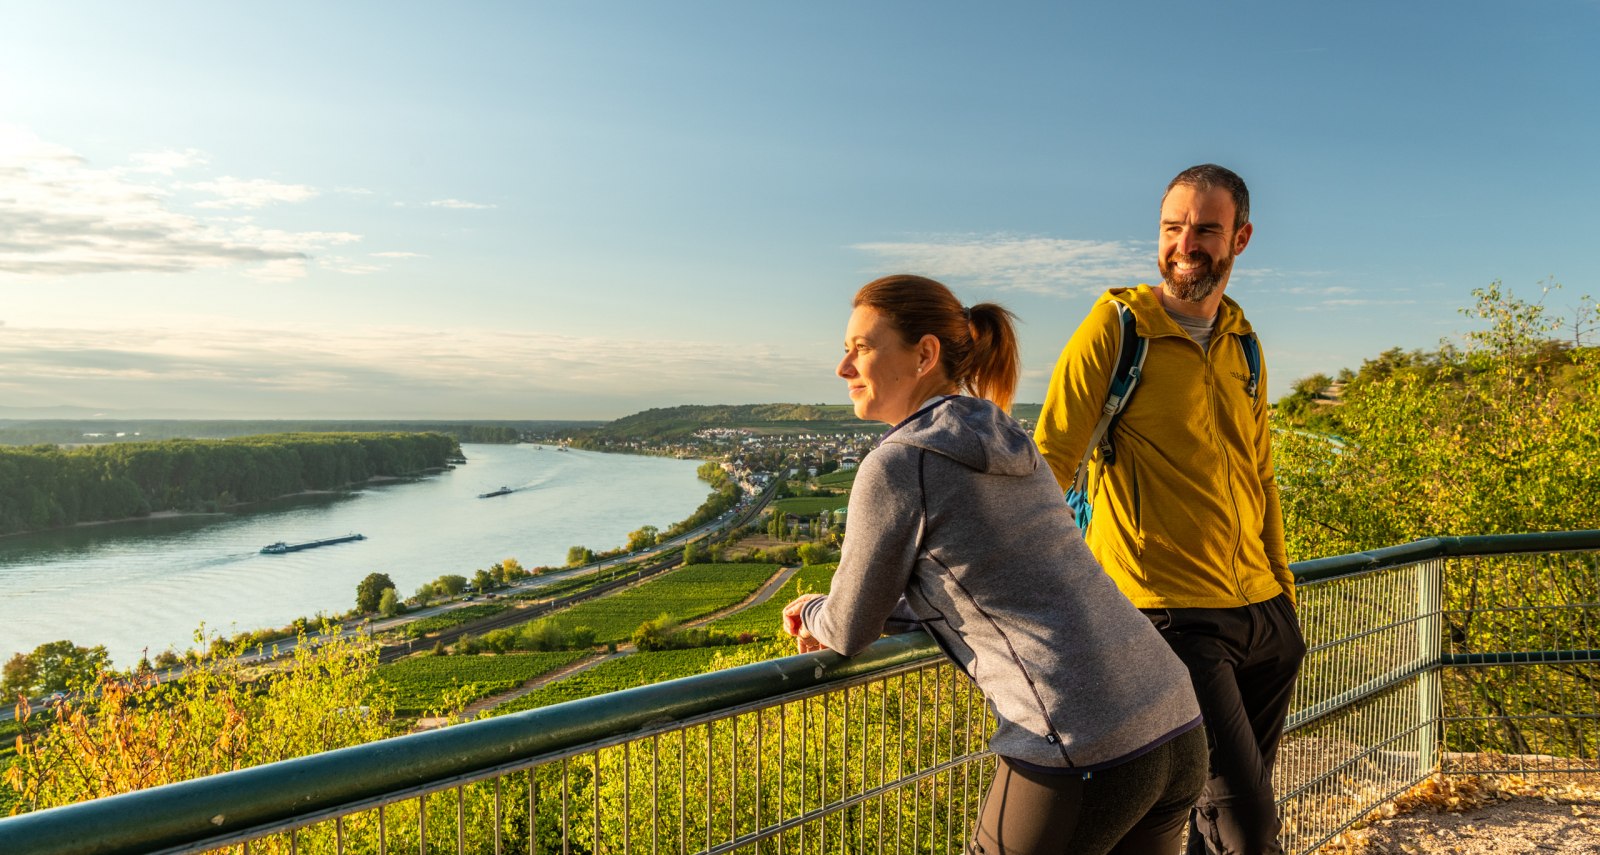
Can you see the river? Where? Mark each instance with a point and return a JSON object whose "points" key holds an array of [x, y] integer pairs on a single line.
{"points": [[149, 584]]}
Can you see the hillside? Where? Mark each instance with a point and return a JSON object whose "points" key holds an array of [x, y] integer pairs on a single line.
{"points": [[676, 423]]}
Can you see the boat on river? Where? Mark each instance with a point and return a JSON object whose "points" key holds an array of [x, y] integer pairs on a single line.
{"points": [[492, 493], [281, 548]]}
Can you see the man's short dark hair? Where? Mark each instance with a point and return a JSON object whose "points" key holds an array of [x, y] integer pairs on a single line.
{"points": [[1209, 175]]}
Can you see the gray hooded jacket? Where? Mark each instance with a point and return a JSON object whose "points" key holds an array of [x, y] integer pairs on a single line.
{"points": [[956, 523]]}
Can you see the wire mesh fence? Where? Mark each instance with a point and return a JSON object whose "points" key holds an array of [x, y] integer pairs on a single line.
{"points": [[1488, 662]]}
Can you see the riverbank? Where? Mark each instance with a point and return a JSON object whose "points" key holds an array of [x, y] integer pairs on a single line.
{"points": [[149, 586], [226, 510]]}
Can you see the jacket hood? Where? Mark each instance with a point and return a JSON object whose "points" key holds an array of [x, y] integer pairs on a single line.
{"points": [[972, 432], [1153, 320]]}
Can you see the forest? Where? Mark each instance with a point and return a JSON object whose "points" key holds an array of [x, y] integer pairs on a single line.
{"points": [[46, 486]]}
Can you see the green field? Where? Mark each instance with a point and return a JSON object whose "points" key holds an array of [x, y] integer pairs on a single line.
{"points": [[681, 595], [432, 683], [764, 620], [810, 506], [841, 478], [626, 672], [454, 617]]}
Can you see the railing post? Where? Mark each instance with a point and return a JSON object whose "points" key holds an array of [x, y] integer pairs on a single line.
{"points": [[1430, 653]]}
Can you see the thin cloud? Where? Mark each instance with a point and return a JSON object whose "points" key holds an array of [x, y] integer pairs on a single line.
{"points": [[166, 162], [1039, 265], [337, 371], [250, 193], [397, 255], [460, 205], [60, 215]]}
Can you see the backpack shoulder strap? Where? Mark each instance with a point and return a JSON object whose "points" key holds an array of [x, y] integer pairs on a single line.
{"points": [[1131, 349], [1252, 358]]}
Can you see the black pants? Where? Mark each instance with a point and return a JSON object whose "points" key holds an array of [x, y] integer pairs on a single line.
{"points": [[1243, 662], [1136, 808]]}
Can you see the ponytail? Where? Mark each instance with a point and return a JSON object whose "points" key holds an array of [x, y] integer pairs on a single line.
{"points": [[977, 346], [992, 363]]}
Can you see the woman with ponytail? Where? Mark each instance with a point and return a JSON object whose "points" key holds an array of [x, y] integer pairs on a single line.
{"points": [[956, 526]]}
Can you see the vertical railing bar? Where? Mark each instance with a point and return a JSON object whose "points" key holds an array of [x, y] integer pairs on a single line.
{"points": [[383, 833], [861, 812], [844, 766], [338, 834], [461, 822], [566, 820], [933, 746], [294, 841], [497, 796], [916, 794], [596, 784], [627, 798], [533, 810], [655, 794], [422, 824], [683, 790], [709, 740], [783, 764], [900, 763], [761, 783], [883, 752], [805, 770], [733, 778], [966, 768]]}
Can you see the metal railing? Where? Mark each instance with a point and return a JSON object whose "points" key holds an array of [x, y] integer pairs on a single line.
{"points": [[1460, 654]]}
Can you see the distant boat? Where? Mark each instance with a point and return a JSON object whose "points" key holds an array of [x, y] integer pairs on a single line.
{"points": [[500, 492], [280, 547]]}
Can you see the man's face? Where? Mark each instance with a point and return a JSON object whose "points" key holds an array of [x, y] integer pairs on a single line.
{"points": [[1198, 241]]}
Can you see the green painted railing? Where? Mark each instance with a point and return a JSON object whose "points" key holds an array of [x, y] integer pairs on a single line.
{"points": [[885, 751]]}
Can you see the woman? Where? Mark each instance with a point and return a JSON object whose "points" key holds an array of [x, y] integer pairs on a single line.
{"points": [[957, 524]]}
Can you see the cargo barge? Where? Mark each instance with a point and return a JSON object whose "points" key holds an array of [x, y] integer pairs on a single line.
{"points": [[280, 547]]}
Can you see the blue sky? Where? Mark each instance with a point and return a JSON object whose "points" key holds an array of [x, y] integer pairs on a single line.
{"points": [[582, 210]]}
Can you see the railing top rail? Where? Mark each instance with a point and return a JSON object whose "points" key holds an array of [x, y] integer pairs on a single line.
{"points": [[206, 808], [1318, 569]]}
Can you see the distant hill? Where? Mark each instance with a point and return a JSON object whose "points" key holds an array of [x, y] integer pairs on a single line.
{"points": [[81, 431], [675, 423]]}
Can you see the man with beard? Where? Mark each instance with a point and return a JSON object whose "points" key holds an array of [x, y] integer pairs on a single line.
{"points": [[1186, 513]]}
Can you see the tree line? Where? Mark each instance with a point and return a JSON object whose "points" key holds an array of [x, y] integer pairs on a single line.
{"points": [[97, 431], [45, 487]]}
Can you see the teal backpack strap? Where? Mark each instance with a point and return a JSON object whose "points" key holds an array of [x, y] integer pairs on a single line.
{"points": [[1131, 349], [1252, 358]]}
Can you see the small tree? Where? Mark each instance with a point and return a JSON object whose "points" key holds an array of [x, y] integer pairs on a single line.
{"points": [[55, 666], [642, 538], [19, 676], [389, 603], [425, 594], [691, 554], [450, 584], [579, 555], [369, 592], [483, 580]]}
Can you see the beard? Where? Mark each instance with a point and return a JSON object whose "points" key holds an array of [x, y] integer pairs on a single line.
{"points": [[1195, 285]]}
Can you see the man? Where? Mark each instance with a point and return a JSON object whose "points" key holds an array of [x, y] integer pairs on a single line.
{"points": [[1186, 513]]}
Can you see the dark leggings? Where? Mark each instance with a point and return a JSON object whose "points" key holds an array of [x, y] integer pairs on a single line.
{"points": [[1141, 806]]}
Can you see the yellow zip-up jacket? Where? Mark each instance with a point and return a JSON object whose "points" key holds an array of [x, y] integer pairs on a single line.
{"points": [[1187, 515]]}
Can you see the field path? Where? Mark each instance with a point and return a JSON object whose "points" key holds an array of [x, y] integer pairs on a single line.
{"points": [[762, 594]]}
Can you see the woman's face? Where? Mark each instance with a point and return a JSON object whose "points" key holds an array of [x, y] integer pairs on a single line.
{"points": [[880, 368]]}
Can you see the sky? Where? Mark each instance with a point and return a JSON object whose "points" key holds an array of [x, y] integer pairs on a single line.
{"points": [[581, 210]]}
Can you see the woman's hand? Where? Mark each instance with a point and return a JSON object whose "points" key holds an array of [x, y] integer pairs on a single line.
{"points": [[795, 626]]}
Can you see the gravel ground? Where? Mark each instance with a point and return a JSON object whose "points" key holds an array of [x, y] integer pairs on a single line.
{"points": [[1482, 816]]}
